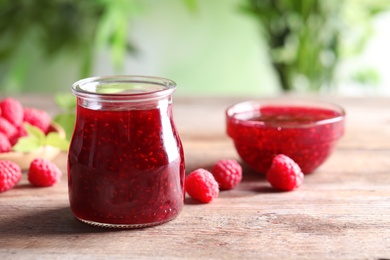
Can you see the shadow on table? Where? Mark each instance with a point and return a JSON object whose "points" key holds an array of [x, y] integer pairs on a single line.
{"points": [[43, 222]]}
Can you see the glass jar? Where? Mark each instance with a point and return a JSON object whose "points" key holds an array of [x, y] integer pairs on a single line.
{"points": [[125, 161]]}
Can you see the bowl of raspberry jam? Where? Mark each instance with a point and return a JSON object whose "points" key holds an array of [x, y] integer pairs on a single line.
{"points": [[303, 129], [125, 161]]}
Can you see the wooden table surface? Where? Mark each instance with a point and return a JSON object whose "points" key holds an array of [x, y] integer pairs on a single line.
{"points": [[342, 211]]}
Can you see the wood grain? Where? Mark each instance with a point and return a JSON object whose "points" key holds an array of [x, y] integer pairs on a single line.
{"points": [[342, 211]]}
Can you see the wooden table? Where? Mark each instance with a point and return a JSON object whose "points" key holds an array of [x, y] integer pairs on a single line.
{"points": [[342, 211]]}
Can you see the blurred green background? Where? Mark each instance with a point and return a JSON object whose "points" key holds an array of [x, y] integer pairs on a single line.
{"points": [[213, 47]]}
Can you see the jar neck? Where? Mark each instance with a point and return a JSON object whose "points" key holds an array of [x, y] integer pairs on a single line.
{"points": [[124, 105], [115, 92]]}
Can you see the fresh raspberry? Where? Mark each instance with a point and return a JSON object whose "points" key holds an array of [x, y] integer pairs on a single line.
{"points": [[12, 110], [5, 145], [38, 118], [10, 174], [284, 173], [201, 185], [43, 173], [20, 132], [228, 174], [7, 128]]}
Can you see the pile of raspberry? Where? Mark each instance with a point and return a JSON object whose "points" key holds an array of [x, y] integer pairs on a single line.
{"points": [[204, 186], [12, 118]]}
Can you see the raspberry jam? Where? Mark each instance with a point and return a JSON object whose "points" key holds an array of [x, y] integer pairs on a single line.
{"points": [[307, 133], [125, 162]]}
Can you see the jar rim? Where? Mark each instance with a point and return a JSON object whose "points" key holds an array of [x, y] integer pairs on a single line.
{"points": [[123, 87], [252, 106]]}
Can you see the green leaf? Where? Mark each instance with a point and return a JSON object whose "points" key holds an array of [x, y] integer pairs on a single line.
{"points": [[67, 121], [66, 101], [55, 140], [35, 132], [35, 138], [192, 5], [367, 76], [26, 144]]}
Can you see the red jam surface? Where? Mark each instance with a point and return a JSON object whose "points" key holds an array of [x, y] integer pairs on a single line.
{"points": [[126, 167], [305, 134]]}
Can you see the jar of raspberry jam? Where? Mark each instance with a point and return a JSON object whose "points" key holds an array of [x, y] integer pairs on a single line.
{"points": [[125, 161]]}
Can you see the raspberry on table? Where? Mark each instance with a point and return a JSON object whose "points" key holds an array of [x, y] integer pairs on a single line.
{"points": [[38, 118], [5, 145], [10, 175], [201, 185], [228, 174], [43, 173], [12, 110], [284, 174]]}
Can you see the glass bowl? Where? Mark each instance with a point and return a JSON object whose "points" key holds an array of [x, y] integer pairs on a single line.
{"points": [[303, 129]]}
